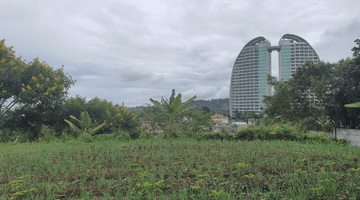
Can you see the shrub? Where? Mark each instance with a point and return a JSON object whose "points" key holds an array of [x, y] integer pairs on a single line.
{"points": [[86, 138], [245, 134], [6, 136], [104, 137], [121, 136], [65, 137], [69, 132], [146, 135], [197, 135], [160, 135], [47, 134], [21, 136], [264, 132], [73, 142]]}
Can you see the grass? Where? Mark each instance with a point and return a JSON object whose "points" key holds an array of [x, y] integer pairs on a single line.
{"points": [[179, 169]]}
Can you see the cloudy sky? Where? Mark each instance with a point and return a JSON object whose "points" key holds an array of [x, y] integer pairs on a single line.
{"points": [[130, 51]]}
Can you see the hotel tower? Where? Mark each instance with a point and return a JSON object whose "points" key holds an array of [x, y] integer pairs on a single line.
{"points": [[248, 78]]}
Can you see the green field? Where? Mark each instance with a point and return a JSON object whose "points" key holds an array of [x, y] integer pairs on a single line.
{"points": [[179, 169]]}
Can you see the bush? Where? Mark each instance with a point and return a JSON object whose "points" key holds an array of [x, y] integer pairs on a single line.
{"points": [[86, 138], [47, 134], [264, 132], [245, 134], [104, 137], [21, 136], [73, 142], [160, 135], [121, 136], [146, 135], [64, 137], [69, 132], [6, 136], [193, 134]]}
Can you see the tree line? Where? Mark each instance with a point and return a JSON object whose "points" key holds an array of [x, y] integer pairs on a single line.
{"points": [[332, 85], [42, 92]]}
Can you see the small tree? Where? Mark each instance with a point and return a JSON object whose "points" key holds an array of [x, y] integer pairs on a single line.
{"points": [[173, 107], [84, 123]]}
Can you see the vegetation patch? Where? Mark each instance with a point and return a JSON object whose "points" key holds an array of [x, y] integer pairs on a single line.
{"points": [[185, 169]]}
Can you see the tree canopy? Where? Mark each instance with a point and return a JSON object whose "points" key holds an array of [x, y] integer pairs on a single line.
{"points": [[318, 92], [35, 85]]}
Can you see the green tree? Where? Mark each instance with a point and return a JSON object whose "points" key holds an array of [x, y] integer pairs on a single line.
{"points": [[35, 86], [356, 50], [282, 103], [205, 109], [173, 107], [314, 80], [346, 89], [237, 115], [194, 120], [154, 116], [331, 85], [118, 117]]}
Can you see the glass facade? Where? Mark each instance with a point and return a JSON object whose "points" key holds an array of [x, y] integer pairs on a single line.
{"points": [[248, 78], [248, 83], [294, 51]]}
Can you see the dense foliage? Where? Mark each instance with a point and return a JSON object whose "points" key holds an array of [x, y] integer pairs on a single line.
{"points": [[40, 89], [332, 85]]}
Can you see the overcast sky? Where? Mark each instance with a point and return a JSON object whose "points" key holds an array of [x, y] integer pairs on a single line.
{"points": [[130, 51]]}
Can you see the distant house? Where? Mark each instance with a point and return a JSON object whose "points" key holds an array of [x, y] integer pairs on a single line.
{"points": [[219, 119], [251, 121], [157, 130], [239, 125]]}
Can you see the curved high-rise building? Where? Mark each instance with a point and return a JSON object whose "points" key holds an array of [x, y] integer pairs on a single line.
{"points": [[294, 51], [248, 78]]}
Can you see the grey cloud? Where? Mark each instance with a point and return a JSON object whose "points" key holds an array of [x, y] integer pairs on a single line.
{"points": [[218, 75], [133, 50], [201, 92], [131, 76], [341, 39], [143, 76], [17, 10]]}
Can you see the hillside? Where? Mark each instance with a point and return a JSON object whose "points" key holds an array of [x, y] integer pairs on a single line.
{"points": [[217, 105]]}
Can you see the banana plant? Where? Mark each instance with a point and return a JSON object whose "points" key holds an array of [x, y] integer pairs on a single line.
{"points": [[353, 105], [174, 107], [85, 124]]}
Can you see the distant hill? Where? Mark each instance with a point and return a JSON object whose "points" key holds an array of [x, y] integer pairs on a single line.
{"points": [[217, 105], [213, 104]]}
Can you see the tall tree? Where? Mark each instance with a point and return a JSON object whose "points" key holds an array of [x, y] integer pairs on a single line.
{"points": [[346, 90], [35, 86], [283, 103], [331, 85], [356, 50], [193, 120], [173, 107], [237, 115]]}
